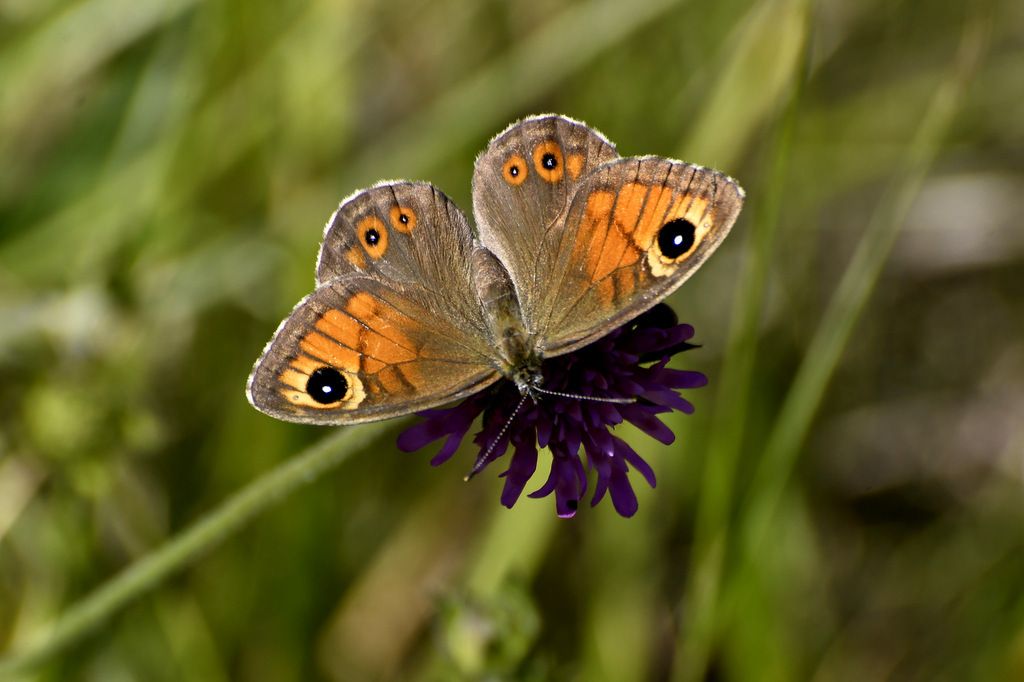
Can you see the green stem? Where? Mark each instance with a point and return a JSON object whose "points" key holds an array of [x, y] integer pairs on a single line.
{"points": [[844, 309], [717, 488], [93, 610], [712, 543]]}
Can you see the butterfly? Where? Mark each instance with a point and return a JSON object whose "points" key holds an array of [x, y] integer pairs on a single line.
{"points": [[414, 308]]}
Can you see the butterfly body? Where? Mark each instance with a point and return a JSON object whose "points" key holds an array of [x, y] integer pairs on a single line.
{"points": [[413, 308], [516, 356]]}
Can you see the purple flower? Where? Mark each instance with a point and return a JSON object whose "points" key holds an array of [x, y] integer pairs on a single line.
{"points": [[628, 364]]}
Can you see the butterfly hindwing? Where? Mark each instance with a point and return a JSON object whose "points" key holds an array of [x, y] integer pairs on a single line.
{"points": [[522, 185]]}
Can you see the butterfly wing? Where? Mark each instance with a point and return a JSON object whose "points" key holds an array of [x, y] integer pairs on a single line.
{"points": [[394, 326], [522, 185], [636, 229], [590, 239]]}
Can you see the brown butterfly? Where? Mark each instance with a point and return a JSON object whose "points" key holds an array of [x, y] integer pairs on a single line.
{"points": [[414, 308]]}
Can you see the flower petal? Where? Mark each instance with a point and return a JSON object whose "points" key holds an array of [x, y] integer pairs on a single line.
{"points": [[519, 472], [628, 365]]}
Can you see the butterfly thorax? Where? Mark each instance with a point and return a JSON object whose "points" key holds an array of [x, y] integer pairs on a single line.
{"points": [[521, 362], [519, 359]]}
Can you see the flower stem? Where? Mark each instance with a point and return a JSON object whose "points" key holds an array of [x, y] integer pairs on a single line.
{"points": [[94, 609]]}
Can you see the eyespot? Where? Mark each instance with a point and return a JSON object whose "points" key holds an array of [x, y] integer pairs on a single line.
{"points": [[373, 235], [515, 170], [676, 238], [403, 219], [327, 385], [547, 159]]}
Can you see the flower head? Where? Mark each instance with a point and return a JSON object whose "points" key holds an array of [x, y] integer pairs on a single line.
{"points": [[627, 365]]}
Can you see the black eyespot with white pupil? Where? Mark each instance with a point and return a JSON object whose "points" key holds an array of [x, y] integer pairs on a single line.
{"points": [[676, 237], [549, 161], [372, 236], [326, 385], [403, 218], [513, 171]]}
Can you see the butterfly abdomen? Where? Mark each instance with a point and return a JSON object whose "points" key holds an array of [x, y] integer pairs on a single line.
{"points": [[518, 358]]}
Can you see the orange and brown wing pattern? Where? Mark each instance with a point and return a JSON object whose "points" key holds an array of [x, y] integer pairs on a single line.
{"points": [[636, 230], [355, 351], [399, 233], [522, 185]]}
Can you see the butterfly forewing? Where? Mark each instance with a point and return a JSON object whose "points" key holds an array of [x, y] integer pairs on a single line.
{"points": [[355, 351], [637, 228]]}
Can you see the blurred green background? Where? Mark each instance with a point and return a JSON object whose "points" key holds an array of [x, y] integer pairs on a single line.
{"points": [[166, 169]]}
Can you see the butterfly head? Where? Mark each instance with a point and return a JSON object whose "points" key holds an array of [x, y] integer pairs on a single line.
{"points": [[528, 379]]}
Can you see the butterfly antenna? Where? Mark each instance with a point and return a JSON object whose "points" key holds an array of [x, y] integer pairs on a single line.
{"points": [[591, 398], [482, 460]]}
